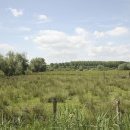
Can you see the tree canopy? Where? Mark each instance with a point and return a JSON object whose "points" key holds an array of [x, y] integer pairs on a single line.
{"points": [[38, 65], [124, 66], [13, 64], [17, 63]]}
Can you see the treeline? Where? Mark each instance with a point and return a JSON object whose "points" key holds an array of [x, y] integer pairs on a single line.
{"points": [[17, 64], [87, 65]]}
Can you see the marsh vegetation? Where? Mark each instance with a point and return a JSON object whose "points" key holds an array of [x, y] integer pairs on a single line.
{"points": [[87, 100]]}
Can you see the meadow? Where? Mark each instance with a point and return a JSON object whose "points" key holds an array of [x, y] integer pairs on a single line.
{"points": [[86, 100]]}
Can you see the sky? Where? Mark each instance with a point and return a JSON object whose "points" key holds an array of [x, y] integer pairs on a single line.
{"points": [[66, 30]]}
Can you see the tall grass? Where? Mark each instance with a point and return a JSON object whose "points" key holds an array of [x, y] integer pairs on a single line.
{"points": [[87, 100], [70, 119]]}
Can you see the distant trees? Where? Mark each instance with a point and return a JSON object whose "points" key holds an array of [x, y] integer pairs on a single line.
{"points": [[38, 65], [85, 65], [16, 64]]}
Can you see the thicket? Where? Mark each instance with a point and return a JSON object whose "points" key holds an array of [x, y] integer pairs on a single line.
{"points": [[85, 65], [37, 65], [124, 66], [18, 64]]}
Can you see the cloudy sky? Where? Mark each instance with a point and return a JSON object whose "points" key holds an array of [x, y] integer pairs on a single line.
{"points": [[66, 30]]}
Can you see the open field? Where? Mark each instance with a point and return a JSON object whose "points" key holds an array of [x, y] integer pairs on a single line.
{"points": [[86, 100]]}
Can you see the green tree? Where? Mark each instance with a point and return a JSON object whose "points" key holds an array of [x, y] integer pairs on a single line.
{"points": [[80, 68], [100, 67], [1, 62], [123, 66], [21, 64], [10, 64], [38, 65], [14, 64], [128, 66]]}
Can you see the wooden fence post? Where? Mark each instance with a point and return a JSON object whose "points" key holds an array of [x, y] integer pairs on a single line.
{"points": [[54, 101]]}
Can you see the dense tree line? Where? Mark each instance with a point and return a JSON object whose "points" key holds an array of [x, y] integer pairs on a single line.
{"points": [[81, 65], [16, 64]]}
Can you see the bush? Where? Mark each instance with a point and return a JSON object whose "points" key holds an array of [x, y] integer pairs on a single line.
{"points": [[128, 66], [100, 67], [80, 68], [124, 66], [37, 65], [13, 64]]}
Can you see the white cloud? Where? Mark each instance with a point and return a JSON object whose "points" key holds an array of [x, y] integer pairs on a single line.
{"points": [[117, 31], [99, 34], [57, 39], [16, 12], [80, 30], [111, 49], [42, 17], [59, 46], [56, 43], [111, 52]]}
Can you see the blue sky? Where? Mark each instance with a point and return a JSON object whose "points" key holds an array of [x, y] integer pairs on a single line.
{"points": [[66, 30]]}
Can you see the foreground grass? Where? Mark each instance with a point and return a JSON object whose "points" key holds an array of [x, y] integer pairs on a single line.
{"points": [[87, 100]]}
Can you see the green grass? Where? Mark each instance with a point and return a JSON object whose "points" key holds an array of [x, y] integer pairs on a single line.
{"points": [[88, 100]]}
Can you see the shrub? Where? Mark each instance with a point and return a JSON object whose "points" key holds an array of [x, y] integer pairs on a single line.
{"points": [[100, 67], [128, 66], [14, 64], [80, 68], [124, 66], [38, 65]]}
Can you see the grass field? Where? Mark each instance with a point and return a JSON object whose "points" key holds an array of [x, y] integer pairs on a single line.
{"points": [[87, 100]]}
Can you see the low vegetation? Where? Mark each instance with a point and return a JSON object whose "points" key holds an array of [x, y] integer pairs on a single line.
{"points": [[87, 100], [85, 92]]}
